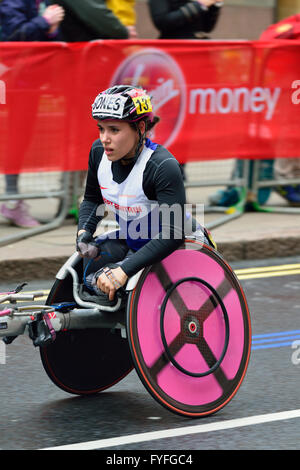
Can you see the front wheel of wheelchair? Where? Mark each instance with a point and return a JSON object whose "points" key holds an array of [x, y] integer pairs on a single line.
{"points": [[189, 331]]}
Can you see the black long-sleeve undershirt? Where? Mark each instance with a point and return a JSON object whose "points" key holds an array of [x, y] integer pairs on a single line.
{"points": [[162, 182]]}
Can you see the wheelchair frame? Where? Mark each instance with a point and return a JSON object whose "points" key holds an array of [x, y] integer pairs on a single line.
{"points": [[185, 329]]}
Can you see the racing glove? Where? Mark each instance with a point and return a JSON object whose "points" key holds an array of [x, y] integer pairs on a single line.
{"points": [[86, 245]]}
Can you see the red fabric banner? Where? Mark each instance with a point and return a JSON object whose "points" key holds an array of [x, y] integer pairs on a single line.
{"points": [[216, 99]]}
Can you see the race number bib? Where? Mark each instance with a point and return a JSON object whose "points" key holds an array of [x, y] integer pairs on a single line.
{"points": [[109, 105], [142, 104]]}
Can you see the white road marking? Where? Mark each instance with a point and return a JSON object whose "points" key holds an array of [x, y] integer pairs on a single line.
{"points": [[188, 430]]}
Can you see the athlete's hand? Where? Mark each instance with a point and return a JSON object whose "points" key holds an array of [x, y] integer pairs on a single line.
{"points": [[110, 284], [86, 245]]}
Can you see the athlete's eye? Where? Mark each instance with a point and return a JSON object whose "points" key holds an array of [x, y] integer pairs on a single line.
{"points": [[100, 128]]}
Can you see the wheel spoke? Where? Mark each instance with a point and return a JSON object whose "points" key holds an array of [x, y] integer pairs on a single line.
{"points": [[164, 279], [211, 360], [163, 360]]}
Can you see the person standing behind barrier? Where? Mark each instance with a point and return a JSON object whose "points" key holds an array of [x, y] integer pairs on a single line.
{"points": [[286, 168], [87, 20], [21, 20], [184, 19], [125, 11]]}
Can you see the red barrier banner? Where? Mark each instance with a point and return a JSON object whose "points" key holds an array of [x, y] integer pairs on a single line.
{"points": [[216, 100]]}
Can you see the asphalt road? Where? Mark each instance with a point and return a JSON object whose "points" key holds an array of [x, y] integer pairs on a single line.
{"points": [[35, 414]]}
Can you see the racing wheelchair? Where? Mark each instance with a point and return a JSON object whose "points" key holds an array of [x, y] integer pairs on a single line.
{"points": [[183, 324]]}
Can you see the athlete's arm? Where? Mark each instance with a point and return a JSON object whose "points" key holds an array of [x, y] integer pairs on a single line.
{"points": [[90, 211], [17, 25], [165, 184]]}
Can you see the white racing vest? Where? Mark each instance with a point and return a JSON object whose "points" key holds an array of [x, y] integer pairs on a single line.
{"points": [[137, 216]]}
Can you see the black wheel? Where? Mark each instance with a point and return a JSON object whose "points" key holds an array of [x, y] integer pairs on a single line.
{"points": [[85, 361]]}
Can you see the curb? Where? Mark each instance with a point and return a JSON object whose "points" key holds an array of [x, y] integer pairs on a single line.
{"points": [[46, 268], [277, 247], [31, 269]]}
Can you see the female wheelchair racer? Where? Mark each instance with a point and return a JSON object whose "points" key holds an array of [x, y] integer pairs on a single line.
{"points": [[164, 302], [135, 178]]}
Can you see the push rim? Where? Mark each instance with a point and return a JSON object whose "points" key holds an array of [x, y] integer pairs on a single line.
{"points": [[194, 328]]}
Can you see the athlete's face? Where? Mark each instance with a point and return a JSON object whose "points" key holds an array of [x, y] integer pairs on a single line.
{"points": [[118, 138]]}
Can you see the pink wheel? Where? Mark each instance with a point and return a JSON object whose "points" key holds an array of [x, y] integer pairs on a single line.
{"points": [[189, 331]]}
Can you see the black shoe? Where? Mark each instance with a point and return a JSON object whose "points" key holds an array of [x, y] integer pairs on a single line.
{"points": [[8, 339]]}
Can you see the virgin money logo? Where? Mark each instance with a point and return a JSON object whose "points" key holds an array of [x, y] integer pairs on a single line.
{"points": [[296, 94], [160, 75]]}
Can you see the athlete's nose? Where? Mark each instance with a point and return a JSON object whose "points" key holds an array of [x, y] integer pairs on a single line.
{"points": [[104, 137]]}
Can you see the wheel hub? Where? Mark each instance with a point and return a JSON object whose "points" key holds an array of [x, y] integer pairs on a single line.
{"points": [[191, 327]]}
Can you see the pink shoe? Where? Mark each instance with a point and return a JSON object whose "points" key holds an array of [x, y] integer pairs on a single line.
{"points": [[19, 215]]}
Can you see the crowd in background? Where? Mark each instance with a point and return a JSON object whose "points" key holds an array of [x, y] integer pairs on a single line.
{"points": [[85, 20]]}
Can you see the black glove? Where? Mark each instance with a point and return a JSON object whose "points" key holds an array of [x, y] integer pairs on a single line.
{"points": [[86, 245]]}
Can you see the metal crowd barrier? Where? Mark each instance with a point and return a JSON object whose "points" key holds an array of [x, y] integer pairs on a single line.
{"points": [[281, 54], [248, 181], [230, 180], [61, 193], [69, 191], [258, 183]]}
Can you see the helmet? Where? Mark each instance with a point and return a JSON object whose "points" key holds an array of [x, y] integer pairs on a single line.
{"points": [[123, 102]]}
